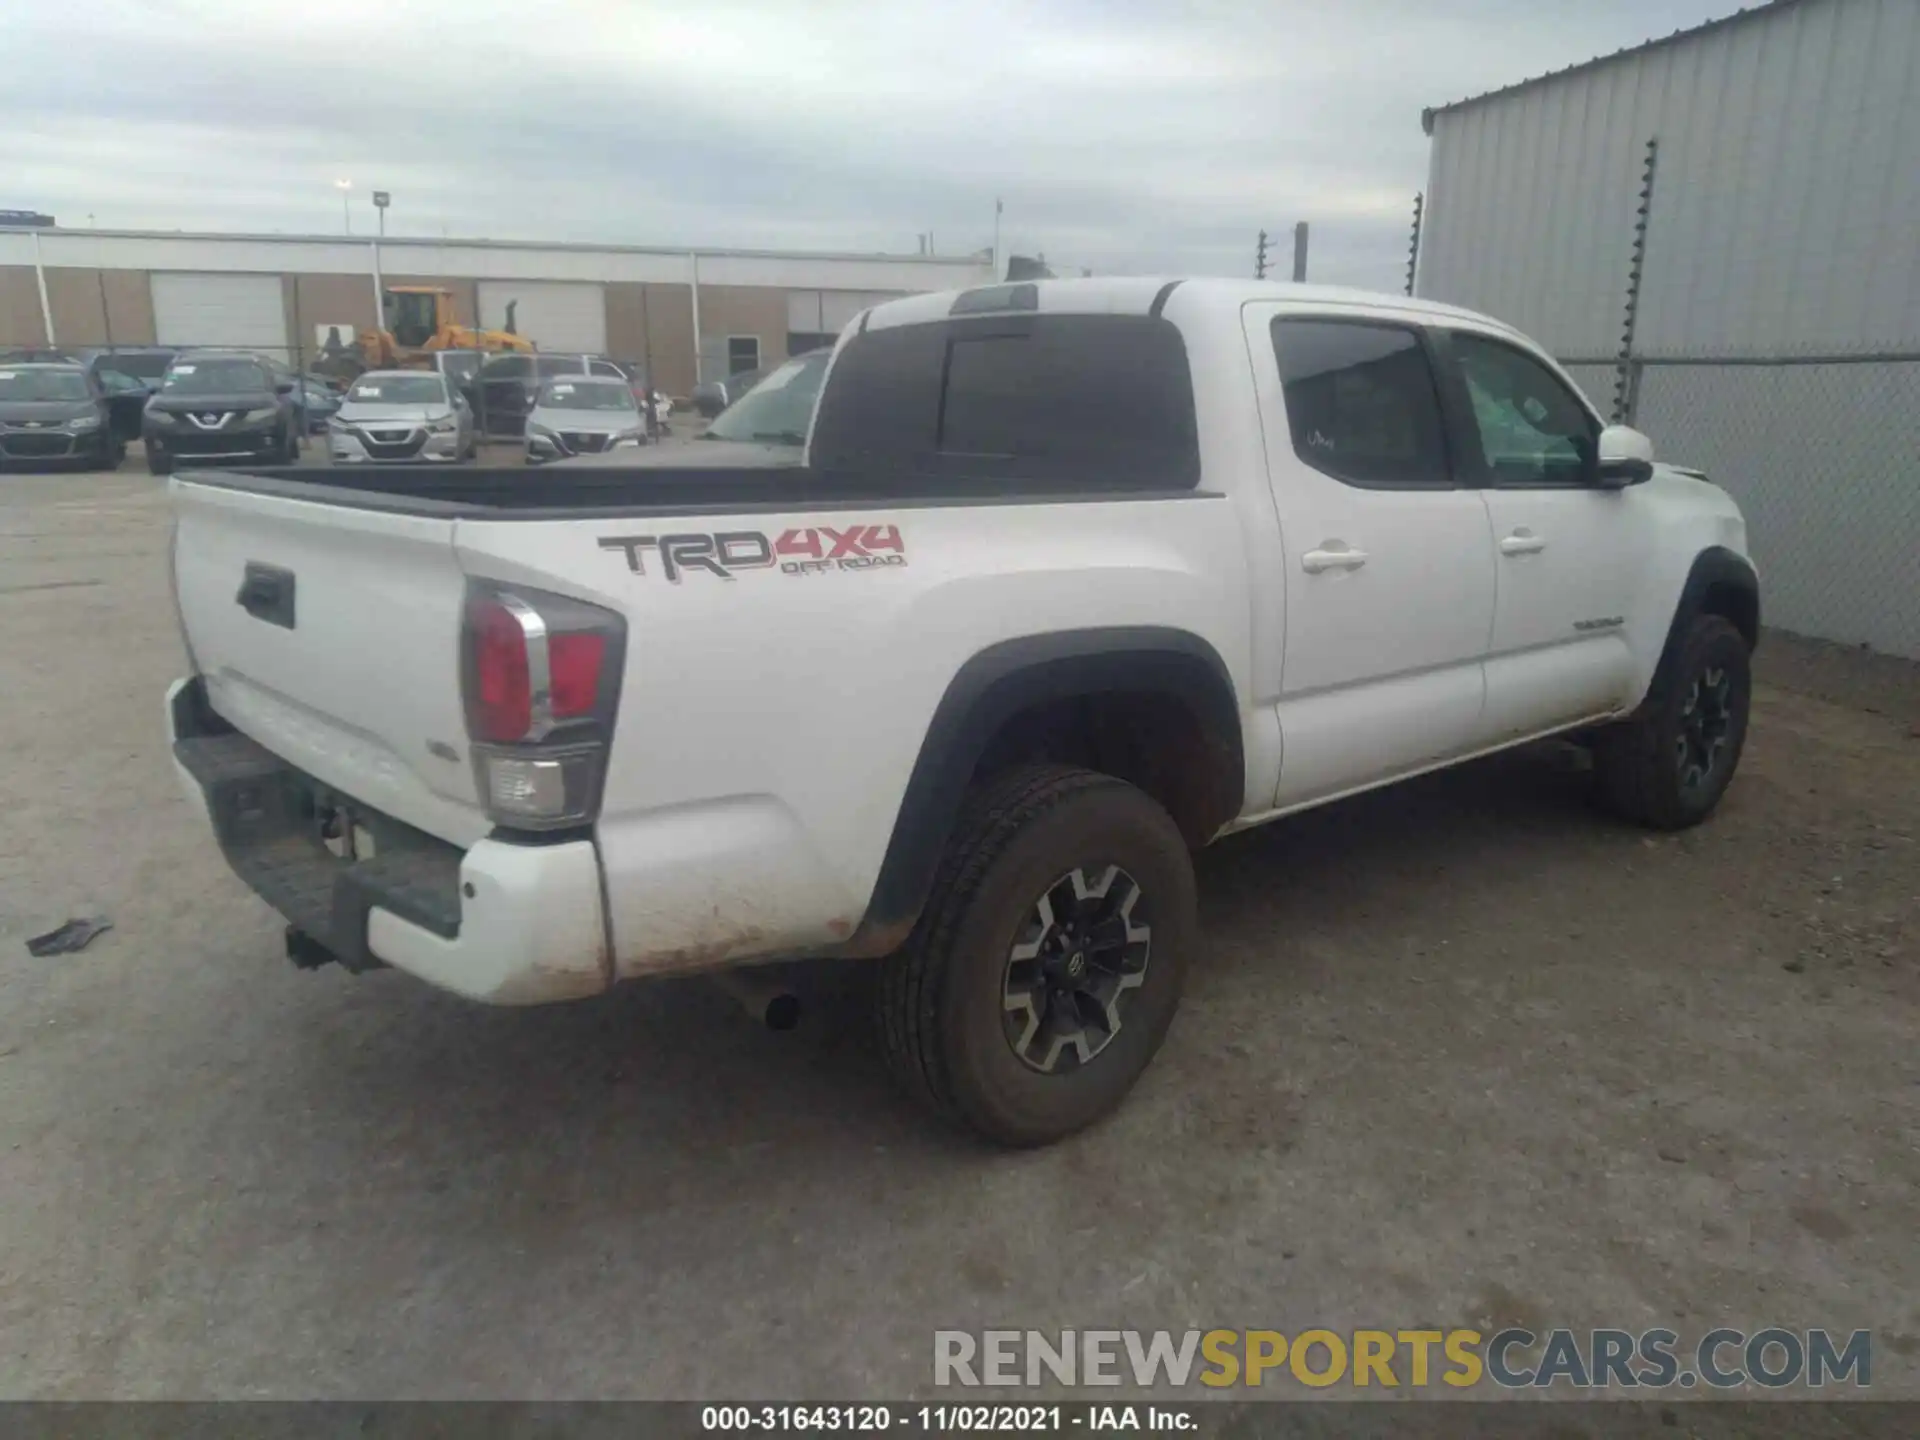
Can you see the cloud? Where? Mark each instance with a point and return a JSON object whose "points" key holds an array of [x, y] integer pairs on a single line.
{"points": [[1123, 135]]}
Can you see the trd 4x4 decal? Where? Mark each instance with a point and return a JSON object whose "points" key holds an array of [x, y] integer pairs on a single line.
{"points": [[725, 553]]}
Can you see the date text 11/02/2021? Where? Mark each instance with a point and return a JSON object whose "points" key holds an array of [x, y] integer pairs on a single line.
{"points": [[946, 1419]]}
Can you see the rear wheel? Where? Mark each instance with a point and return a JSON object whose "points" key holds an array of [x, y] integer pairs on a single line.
{"points": [[1668, 766], [1048, 963]]}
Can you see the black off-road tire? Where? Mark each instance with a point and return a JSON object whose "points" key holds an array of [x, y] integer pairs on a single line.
{"points": [[1641, 771], [941, 1011]]}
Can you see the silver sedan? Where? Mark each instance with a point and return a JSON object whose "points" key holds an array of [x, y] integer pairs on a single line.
{"points": [[583, 415], [391, 416]]}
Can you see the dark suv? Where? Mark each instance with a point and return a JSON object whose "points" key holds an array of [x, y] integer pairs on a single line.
{"points": [[220, 405]]}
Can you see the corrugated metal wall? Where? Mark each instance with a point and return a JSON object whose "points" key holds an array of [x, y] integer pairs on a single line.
{"points": [[1785, 210], [1784, 227]]}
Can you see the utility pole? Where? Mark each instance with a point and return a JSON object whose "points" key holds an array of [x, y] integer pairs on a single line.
{"points": [[1300, 252], [1260, 258], [997, 207]]}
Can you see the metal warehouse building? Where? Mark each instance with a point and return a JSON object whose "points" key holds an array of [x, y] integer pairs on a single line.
{"points": [[1719, 232], [286, 293]]}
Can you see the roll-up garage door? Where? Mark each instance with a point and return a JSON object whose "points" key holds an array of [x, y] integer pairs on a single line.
{"points": [[237, 312], [553, 314]]}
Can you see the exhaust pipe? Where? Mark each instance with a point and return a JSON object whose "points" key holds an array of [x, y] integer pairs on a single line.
{"points": [[762, 996]]}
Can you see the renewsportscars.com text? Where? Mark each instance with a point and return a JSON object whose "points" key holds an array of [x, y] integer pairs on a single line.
{"points": [[1513, 1359]]}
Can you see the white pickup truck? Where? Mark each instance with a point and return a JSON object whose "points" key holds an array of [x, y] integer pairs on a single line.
{"points": [[1078, 576]]}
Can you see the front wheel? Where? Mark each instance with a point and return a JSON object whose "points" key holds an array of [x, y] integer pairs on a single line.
{"points": [[1668, 766], [1048, 963]]}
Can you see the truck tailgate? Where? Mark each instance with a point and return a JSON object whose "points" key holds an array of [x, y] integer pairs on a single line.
{"points": [[331, 635]]}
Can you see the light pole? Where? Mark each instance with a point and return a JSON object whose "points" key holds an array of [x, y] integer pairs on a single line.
{"points": [[997, 207], [380, 201], [345, 187]]}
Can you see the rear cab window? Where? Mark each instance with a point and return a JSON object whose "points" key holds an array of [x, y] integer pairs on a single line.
{"points": [[1051, 400]]}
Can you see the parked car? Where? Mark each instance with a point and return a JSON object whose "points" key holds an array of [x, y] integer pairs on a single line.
{"points": [[395, 415], [584, 415], [505, 388], [1079, 576], [766, 427], [319, 403], [710, 397], [220, 405], [55, 414]]}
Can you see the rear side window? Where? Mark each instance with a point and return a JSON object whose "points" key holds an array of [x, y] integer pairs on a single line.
{"points": [[1093, 401], [1361, 403]]}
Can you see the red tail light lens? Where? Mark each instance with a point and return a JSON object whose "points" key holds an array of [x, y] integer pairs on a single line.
{"points": [[573, 663], [500, 693]]}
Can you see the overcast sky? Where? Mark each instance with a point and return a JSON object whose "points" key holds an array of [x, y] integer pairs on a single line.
{"points": [[1124, 135]]}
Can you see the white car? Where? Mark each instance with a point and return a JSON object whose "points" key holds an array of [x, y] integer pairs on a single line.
{"points": [[394, 416], [583, 415], [1077, 577]]}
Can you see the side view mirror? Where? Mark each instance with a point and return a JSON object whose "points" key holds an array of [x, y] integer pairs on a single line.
{"points": [[1625, 457]]}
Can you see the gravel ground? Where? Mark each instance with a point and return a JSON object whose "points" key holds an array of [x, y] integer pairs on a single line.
{"points": [[1458, 1053]]}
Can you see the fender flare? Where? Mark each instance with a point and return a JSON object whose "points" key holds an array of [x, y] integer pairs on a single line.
{"points": [[1714, 566], [1000, 682]]}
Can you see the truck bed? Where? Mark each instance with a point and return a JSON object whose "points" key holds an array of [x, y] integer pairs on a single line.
{"points": [[493, 491]]}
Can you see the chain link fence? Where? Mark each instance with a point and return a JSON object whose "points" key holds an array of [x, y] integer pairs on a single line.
{"points": [[1823, 455]]}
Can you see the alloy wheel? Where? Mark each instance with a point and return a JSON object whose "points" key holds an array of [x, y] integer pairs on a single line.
{"points": [[1081, 954], [1705, 721]]}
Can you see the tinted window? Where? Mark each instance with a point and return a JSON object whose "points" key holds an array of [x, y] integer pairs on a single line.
{"points": [[1532, 430], [507, 367], [215, 377], [1083, 400], [1361, 403], [558, 365], [606, 367], [775, 411]]}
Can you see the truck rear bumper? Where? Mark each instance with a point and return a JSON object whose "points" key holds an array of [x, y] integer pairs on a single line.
{"points": [[502, 923]]}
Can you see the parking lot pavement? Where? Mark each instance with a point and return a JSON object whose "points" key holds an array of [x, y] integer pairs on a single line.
{"points": [[1457, 1053]]}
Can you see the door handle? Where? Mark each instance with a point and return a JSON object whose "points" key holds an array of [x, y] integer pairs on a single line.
{"points": [[1314, 561], [1522, 542]]}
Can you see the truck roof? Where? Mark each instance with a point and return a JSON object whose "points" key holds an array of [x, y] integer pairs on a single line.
{"points": [[1142, 294]]}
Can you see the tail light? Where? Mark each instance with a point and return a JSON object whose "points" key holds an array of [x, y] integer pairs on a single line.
{"points": [[541, 675]]}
